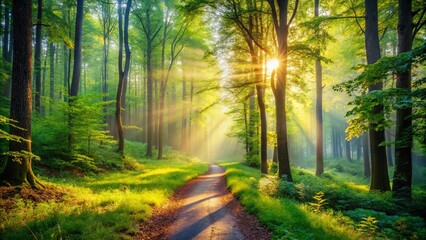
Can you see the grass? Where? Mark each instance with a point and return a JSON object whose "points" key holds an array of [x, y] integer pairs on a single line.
{"points": [[330, 207], [286, 218], [105, 206]]}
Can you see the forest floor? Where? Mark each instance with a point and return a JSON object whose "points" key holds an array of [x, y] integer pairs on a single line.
{"points": [[203, 209], [108, 205]]}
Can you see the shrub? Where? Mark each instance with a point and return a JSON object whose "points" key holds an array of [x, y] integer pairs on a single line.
{"points": [[392, 226]]}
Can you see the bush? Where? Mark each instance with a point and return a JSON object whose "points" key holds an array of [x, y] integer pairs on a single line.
{"points": [[91, 148], [391, 226], [253, 161]]}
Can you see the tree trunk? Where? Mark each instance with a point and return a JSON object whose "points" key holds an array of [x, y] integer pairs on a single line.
{"points": [[358, 149], [334, 140], [184, 120], [171, 118], [190, 124], [162, 87], [389, 148], [37, 57], [6, 48], [246, 127], [77, 49], [144, 101], [43, 79], [76, 70], [263, 129], [155, 112], [340, 136], [150, 123], [281, 28], [52, 75], [379, 167], [253, 137], [123, 35], [366, 154], [404, 134], [348, 150], [65, 91], [18, 169], [319, 121]]}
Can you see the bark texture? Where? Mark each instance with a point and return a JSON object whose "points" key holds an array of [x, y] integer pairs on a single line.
{"points": [[37, 57], [379, 167], [404, 134], [279, 11], [319, 121], [123, 73], [18, 170], [77, 49]]}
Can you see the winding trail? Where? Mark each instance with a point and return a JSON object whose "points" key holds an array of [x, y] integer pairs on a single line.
{"points": [[205, 214], [203, 209]]}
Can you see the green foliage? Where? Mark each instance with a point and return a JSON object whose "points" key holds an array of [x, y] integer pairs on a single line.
{"points": [[105, 206], [364, 103], [368, 225], [14, 155], [87, 126], [277, 205], [354, 168], [319, 202], [268, 185], [92, 149], [4, 121], [395, 226], [286, 219]]}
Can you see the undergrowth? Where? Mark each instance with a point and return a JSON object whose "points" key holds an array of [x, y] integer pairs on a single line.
{"points": [[105, 206], [322, 208]]}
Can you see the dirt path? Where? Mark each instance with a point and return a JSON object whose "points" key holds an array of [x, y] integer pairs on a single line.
{"points": [[203, 209]]}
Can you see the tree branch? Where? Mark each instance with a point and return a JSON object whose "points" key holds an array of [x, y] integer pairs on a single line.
{"points": [[419, 24], [356, 18], [294, 13]]}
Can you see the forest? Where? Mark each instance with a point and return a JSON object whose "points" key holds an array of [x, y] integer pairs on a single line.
{"points": [[254, 119]]}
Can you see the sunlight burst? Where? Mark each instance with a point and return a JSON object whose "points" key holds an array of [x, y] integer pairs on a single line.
{"points": [[272, 64]]}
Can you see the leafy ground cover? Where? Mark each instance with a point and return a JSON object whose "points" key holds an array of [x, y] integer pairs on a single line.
{"points": [[104, 206], [329, 207]]}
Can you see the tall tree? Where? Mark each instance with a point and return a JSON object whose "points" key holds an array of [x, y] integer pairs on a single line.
{"points": [[18, 170], [108, 24], [37, 57], [76, 68], [123, 73], [318, 107], [64, 90], [175, 50], [366, 155], [76, 76], [379, 167], [279, 12], [184, 137], [52, 74], [253, 33], [6, 46], [404, 133], [150, 33]]}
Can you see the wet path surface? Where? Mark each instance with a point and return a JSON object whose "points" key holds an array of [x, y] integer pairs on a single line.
{"points": [[205, 213]]}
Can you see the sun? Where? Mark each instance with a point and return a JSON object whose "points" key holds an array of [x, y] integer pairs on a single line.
{"points": [[272, 64]]}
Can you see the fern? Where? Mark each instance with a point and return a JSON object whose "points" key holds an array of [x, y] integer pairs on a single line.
{"points": [[319, 202]]}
